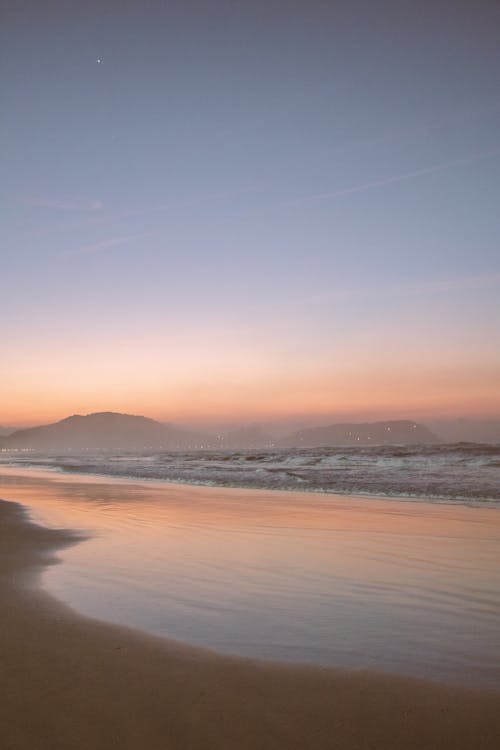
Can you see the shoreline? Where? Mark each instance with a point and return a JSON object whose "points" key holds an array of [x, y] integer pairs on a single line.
{"points": [[427, 499], [71, 682], [406, 559], [417, 500]]}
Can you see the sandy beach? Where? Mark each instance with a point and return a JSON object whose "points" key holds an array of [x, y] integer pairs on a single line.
{"points": [[71, 682]]}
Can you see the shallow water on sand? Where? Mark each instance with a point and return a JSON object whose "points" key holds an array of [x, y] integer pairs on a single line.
{"points": [[458, 472], [348, 582]]}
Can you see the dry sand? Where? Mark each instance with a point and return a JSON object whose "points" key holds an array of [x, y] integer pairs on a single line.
{"points": [[70, 682]]}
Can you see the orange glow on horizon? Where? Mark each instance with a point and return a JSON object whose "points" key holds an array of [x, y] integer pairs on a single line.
{"points": [[346, 395]]}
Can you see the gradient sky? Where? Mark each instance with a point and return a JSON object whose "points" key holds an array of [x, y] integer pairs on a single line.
{"points": [[250, 209]]}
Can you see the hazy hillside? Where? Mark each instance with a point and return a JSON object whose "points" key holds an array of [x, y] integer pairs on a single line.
{"points": [[251, 436], [367, 433], [105, 430], [109, 430], [468, 430]]}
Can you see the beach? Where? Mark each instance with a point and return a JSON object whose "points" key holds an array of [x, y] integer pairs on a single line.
{"points": [[69, 681]]}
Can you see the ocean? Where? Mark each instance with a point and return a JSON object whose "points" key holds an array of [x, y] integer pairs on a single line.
{"points": [[316, 577], [458, 472]]}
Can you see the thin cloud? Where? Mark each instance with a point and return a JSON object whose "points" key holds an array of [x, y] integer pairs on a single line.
{"points": [[66, 204], [393, 179], [453, 284], [103, 245], [104, 217], [438, 286], [441, 120]]}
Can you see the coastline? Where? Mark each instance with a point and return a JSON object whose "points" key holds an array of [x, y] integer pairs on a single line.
{"points": [[454, 474], [71, 682], [338, 496]]}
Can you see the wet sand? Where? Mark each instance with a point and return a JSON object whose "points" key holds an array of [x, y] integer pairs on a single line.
{"points": [[388, 585], [70, 682]]}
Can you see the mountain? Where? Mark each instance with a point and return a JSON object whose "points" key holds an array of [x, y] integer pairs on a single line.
{"points": [[486, 430], [250, 436], [109, 430], [395, 432], [106, 430]]}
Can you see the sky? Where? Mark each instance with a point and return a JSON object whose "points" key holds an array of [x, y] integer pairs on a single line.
{"points": [[248, 211]]}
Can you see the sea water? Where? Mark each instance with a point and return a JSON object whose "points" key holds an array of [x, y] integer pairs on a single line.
{"points": [[458, 472], [351, 582]]}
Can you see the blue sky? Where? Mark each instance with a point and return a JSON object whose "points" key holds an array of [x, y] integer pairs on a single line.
{"points": [[245, 199]]}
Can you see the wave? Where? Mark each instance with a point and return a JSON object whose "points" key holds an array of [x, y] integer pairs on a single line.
{"points": [[456, 472]]}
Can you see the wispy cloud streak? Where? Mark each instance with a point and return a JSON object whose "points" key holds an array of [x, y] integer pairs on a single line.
{"points": [[439, 286], [103, 245], [393, 179], [453, 284], [66, 204]]}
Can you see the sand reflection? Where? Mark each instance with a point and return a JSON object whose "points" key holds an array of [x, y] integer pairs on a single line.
{"points": [[362, 583]]}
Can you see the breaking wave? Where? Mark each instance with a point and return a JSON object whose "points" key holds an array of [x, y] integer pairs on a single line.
{"points": [[459, 472]]}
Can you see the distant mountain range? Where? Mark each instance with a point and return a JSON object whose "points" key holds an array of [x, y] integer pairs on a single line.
{"points": [[485, 430], [109, 430], [105, 430], [369, 433], [251, 436]]}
